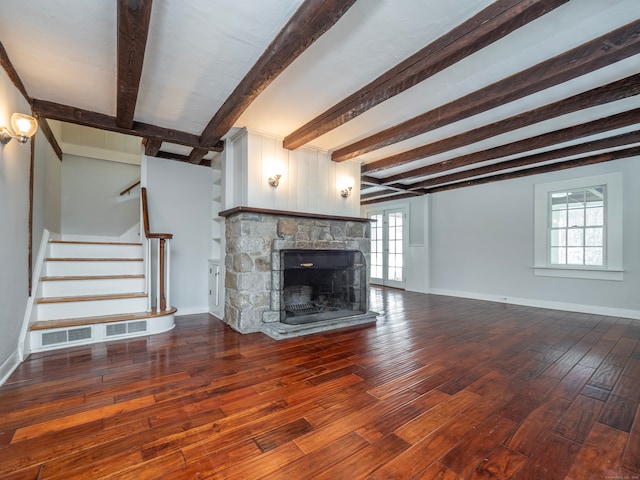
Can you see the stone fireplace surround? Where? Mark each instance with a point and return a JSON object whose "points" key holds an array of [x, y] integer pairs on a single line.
{"points": [[254, 240]]}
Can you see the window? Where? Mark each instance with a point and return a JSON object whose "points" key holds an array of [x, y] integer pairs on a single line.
{"points": [[578, 228]]}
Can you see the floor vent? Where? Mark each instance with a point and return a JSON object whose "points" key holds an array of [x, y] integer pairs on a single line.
{"points": [[66, 336], [123, 328]]}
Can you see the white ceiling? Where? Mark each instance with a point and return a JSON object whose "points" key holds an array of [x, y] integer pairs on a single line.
{"points": [[197, 51]]}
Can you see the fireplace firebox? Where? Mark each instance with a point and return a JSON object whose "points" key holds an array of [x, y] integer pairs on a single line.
{"points": [[320, 285]]}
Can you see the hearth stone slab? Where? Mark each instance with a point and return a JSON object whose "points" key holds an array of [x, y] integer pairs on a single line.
{"points": [[281, 331]]}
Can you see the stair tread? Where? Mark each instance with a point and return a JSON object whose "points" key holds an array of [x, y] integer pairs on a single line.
{"points": [[90, 277], [77, 322], [88, 298], [93, 259], [77, 242]]}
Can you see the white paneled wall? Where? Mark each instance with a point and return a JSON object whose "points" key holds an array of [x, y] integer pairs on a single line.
{"points": [[310, 181]]}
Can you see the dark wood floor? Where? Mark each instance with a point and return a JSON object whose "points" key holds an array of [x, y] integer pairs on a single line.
{"points": [[440, 388]]}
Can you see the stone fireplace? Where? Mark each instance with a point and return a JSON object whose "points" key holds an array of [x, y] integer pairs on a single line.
{"points": [[289, 274]]}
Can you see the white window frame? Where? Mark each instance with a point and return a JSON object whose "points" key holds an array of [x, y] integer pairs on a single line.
{"points": [[612, 269]]}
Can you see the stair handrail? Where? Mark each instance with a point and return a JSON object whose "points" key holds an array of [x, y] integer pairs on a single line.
{"points": [[130, 187], [163, 256]]}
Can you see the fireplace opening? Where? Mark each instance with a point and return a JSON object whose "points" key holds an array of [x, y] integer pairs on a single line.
{"points": [[322, 285]]}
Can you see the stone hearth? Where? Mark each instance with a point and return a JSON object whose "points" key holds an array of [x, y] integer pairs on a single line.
{"points": [[254, 270]]}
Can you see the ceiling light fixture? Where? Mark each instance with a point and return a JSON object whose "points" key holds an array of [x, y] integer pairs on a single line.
{"points": [[24, 127]]}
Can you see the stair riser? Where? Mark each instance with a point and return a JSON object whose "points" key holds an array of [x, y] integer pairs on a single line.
{"points": [[73, 288], [73, 250], [66, 269], [64, 310]]}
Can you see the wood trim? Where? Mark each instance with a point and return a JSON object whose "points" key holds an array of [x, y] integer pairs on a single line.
{"points": [[491, 24], [552, 167], [133, 26], [79, 116], [308, 23], [75, 242], [283, 213], [600, 125], [89, 277], [78, 322], [12, 73], [45, 128], [97, 259], [145, 219], [611, 92], [605, 143], [90, 298], [588, 57], [32, 163]]}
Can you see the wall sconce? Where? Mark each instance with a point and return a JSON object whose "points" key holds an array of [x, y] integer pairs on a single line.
{"points": [[346, 192], [274, 181], [24, 127]]}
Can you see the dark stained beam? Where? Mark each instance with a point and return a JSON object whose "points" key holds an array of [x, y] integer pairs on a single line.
{"points": [[595, 145], [308, 23], [79, 116], [45, 128], [605, 124], [389, 198], [552, 167], [372, 181], [12, 74], [152, 146], [180, 158], [618, 90], [491, 24], [588, 57], [133, 27]]}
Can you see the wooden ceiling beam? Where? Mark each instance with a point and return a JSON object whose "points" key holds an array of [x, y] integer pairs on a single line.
{"points": [[308, 23], [152, 146], [389, 198], [605, 124], [45, 128], [588, 57], [491, 24], [376, 182], [12, 74], [552, 167], [180, 158], [66, 113], [587, 147], [133, 26], [611, 92]]}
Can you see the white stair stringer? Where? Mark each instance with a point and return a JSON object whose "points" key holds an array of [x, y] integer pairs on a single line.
{"points": [[92, 291]]}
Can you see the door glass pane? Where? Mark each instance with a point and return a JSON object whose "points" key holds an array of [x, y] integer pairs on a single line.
{"points": [[376, 245]]}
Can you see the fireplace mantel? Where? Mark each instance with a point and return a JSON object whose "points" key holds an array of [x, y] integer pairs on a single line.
{"points": [[285, 213]]}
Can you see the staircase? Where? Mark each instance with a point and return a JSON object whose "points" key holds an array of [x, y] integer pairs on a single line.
{"points": [[91, 292]]}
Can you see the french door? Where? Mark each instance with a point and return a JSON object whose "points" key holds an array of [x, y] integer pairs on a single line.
{"points": [[388, 241]]}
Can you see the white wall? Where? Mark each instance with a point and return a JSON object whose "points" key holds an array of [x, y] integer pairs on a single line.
{"points": [[179, 198], [310, 181], [47, 181], [91, 201], [14, 229], [482, 246]]}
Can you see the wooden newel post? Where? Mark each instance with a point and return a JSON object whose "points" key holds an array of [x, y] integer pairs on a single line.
{"points": [[163, 298]]}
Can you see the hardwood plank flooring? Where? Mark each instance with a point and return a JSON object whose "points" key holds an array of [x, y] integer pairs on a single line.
{"points": [[440, 387]]}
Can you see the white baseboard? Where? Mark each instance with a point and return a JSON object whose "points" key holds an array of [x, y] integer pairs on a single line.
{"points": [[8, 366], [530, 302]]}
